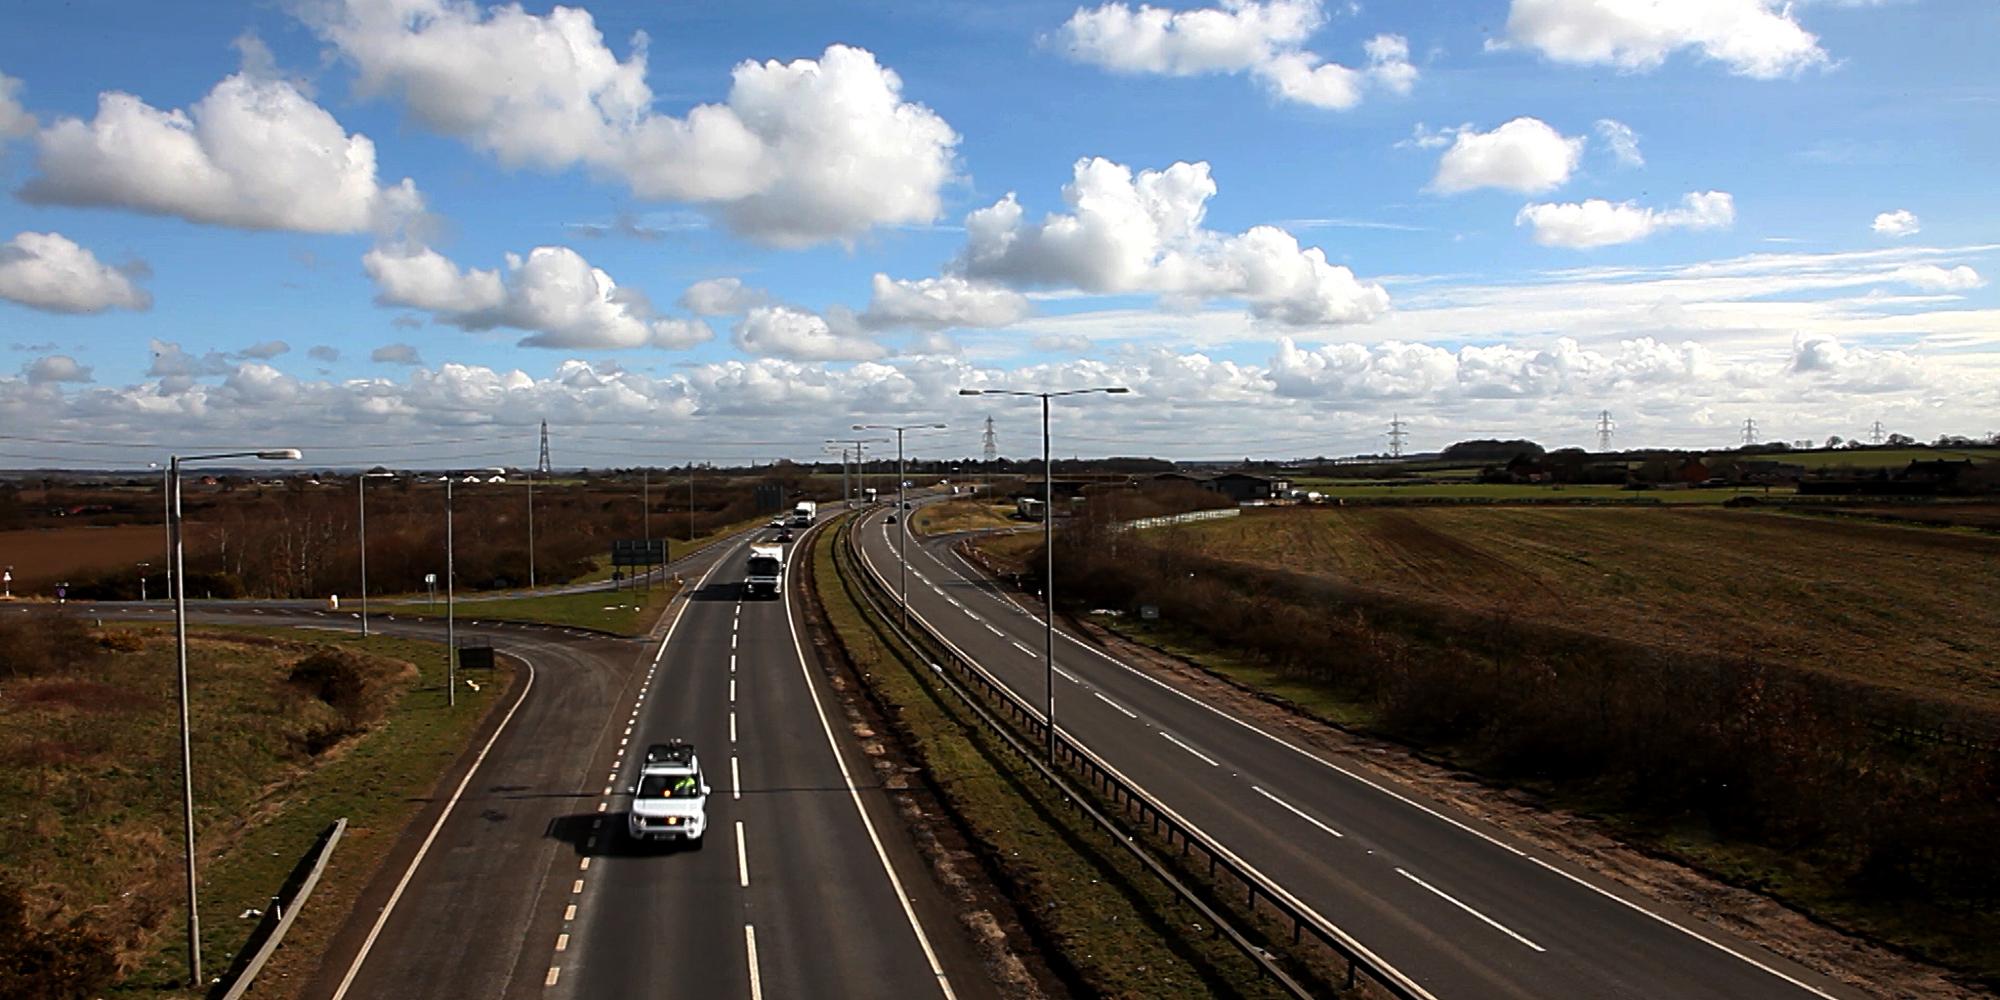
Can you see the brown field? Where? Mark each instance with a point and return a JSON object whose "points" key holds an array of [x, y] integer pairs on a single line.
{"points": [[1908, 607], [42, 557]]}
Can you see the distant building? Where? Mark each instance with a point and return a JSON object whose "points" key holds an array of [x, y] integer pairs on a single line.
{"points": [[1242, 486]]}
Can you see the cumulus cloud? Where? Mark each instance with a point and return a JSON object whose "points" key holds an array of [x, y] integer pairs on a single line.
{"points": [[722, 297], [1242, 36], [1753, 38], [1597, 223], [1621, 140], [798, 335], [802, 152], [1143, 233], [170, 360], [552, 293], [15, 121], [1524, 155], [396, 354], [1897, 224], [255, 153], [55, 368], [48, 271], [325, 353], [1396, 370], [942, 302], [1829, 363]]}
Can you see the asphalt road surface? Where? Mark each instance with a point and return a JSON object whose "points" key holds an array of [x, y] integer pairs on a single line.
{"points": [[1454, 905], [518, 882]]}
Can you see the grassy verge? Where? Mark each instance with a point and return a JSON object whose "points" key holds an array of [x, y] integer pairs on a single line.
{"points": [[622, 612], [91, 809], [960, 515], [1112, 929]]}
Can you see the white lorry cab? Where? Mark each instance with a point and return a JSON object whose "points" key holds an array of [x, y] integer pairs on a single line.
{"points": [[803, 514], [767, 571], [670, 802]]}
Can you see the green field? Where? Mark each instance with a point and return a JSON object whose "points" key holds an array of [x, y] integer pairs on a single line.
{"points": [[1424, 490], [1904, 606]]}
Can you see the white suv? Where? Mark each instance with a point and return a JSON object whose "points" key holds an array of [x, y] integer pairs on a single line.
{"points": [[670, 802]]}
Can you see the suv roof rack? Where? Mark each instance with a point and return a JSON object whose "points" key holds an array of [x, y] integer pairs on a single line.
{"points": [[670, 752]]}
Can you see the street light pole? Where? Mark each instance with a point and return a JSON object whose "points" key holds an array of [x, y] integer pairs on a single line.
{"points": [[531, 529], [902, 509], [361, 502], [179, 570], [1048, 548], [450, 605]]}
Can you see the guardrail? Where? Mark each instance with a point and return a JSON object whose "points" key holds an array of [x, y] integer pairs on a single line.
{"points": [[278, 919], [1134, 802], [1169, 519]]}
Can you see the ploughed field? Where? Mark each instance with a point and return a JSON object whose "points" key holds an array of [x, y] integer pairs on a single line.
{"points": [[1914, 608]]}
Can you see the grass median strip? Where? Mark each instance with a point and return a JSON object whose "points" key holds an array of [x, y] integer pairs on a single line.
{"points": [[292, 730], [621, 612], [1112, 929]]}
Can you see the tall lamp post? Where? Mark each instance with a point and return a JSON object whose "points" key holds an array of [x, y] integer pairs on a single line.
{"points": [[451, 597], [902, 511], [361, 505], [181, 664], [1048, 545]]}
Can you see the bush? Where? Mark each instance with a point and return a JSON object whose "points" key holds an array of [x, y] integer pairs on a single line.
{"points": [[47, 960], [42, 645], [355, 687]]}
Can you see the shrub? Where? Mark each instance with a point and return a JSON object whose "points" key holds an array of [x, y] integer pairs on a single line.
{"points": [[41, 645], [47, 959]]}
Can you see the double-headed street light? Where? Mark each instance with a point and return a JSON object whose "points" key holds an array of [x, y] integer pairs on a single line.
{"points": [[179, 569], [451, 597], [361, 502], [902, 506], [1048, 545]]}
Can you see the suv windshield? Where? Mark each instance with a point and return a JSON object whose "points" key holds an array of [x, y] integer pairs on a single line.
{"points": [[670, 786], [763, 565]]}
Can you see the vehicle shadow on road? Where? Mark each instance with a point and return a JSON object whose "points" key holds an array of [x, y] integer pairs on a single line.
{"points": [[602, 835], [725, 590]]}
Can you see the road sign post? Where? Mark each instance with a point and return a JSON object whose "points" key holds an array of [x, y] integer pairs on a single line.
{"points": [[640, 554]]}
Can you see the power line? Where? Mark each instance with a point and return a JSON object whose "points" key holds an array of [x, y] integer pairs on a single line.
{"points": [[989, 442], [1875, 433], [1604, 428], [543, 465], [1397, 435], [1749, 430]]}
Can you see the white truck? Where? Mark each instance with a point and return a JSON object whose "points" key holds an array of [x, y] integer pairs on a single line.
{"points": [[767, 570], [803, 514]]}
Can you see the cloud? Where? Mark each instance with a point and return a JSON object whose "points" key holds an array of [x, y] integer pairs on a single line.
{"points": [[396, 354], [324, 353], [170, 361], [1597, 223], [265, 351], [805, 152], [15, 121], [1524, 155], [1143, 234], [552, 293], [55, 368], [1621, 140], [1243, 36], [1424, 137], [1897, 224], [1753, 38], [1055, 343], [941, 303], [47, 271], [1932, 278], [798, 335], [1827, 362], [255, 153], [722, 297]]}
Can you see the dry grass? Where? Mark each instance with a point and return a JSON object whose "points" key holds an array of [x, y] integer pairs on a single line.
{"points": [[960, 515], [1906, 607]]}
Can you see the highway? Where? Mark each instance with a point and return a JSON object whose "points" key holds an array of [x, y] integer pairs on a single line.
{"points": [[517, 881], [1455, 906]]}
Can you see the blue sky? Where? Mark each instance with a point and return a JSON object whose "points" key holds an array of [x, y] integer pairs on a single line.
{"points": [[1496, 280]]}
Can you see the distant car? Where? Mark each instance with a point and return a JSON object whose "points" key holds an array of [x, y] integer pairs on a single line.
{"points": [[670, 801], [891, 519], [784, 534], [906, 505], [776, 522]]}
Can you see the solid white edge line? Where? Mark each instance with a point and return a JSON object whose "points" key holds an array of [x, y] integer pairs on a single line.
{"points": [[1128, 712], [403, 883], [742, 858], [1296, 811], [750, 957], [1697, 935], [1490, 922], [854, 794], [1171, 739]]}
